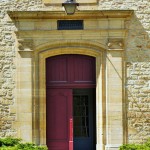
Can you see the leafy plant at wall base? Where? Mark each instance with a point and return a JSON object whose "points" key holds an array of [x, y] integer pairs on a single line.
{"points": [[148, 143], [145, 146], [15, 144], [8, 148], [9, 141], [30, 146]]}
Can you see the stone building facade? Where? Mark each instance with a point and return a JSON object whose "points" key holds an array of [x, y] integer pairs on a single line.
{"points": [[116, 33]]}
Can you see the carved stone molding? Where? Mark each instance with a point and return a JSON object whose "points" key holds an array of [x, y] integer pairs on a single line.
{"points": [[25, 45], [115, 44], [93, 14]]}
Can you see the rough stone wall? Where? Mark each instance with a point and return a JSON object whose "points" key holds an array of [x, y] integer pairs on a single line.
{"points": [[138, 92], [138, 75], [7, 64], [7, 71], [137, 63]]}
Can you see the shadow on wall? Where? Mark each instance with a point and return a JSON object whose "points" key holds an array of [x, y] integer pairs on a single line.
{"points": [[138, 80], [138, 41]]}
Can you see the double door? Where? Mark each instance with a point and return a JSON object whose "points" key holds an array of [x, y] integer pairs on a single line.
{"points": [[70, 102], [70, 119]]}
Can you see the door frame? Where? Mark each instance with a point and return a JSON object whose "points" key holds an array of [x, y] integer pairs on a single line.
{"points": [[110, 104], [100, 98]]}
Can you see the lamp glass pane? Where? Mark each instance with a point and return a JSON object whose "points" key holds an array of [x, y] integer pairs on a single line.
{"points": [[70, 9]]}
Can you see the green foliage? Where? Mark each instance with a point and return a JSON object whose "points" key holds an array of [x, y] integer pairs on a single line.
{"points": [[145, 146], [15, 144], [30, 146], [8, 148], [148, 143], [9, 141]]}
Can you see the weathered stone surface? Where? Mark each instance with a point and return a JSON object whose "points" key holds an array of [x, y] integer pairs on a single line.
{"points": [[137, 54], [139, 102]]}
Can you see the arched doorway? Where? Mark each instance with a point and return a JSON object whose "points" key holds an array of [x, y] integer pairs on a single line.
{"points": [[70, 102]]}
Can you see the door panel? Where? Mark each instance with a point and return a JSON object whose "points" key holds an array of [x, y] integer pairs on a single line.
{"points": [[70, 70], [82, 69], [83, 115], [57, 70], [59, 113]]}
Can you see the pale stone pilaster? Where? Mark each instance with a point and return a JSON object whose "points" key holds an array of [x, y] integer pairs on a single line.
{"points": [[25, 90], [114, 95]]}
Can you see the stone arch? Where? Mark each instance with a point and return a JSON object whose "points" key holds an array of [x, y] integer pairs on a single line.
{"points": [[93, 45], [58, 48]]}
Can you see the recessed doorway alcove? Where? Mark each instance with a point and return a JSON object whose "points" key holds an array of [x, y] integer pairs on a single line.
{"points": [[103, 38]]}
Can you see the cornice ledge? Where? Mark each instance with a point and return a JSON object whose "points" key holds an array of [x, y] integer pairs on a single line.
{"points": [[84, 14]]}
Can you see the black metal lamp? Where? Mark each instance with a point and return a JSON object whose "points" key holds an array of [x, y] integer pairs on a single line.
{"points": [[70, 6]]}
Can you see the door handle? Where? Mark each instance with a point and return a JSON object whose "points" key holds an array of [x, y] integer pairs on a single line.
{"points": [[71, 129], [71, 134]]}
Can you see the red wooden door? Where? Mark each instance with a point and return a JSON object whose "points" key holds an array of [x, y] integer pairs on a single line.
{"points": [[63, 74], [59, 119]]}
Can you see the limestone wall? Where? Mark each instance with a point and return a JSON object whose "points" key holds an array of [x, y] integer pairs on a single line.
{"points": [[137, 56], [138, 77]]}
